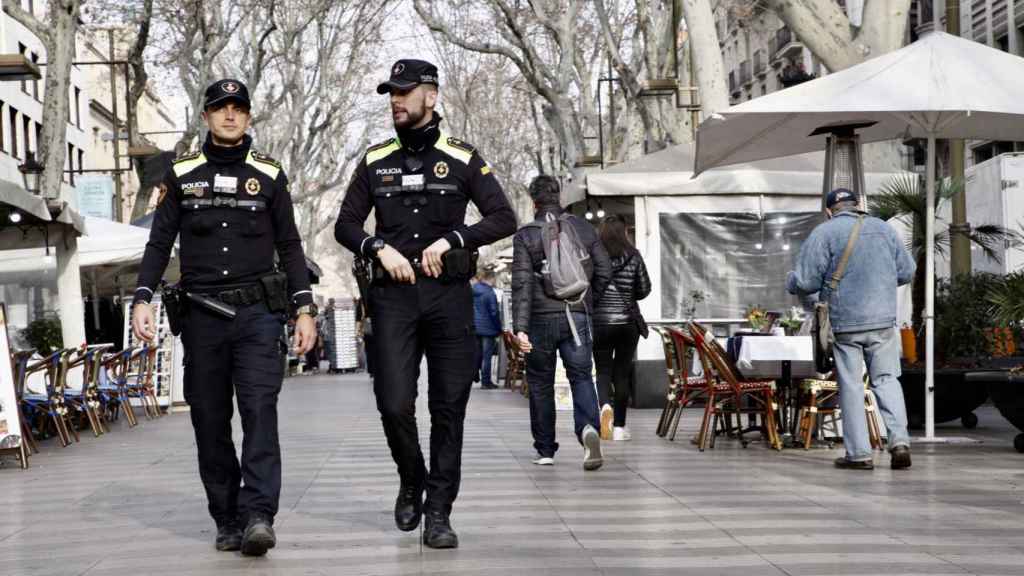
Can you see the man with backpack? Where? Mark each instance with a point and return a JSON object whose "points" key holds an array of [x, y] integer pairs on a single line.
{"points": [[559, 267]]}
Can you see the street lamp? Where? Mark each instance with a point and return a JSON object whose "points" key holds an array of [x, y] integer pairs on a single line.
{"points": [[31, 172], [14, 217]]}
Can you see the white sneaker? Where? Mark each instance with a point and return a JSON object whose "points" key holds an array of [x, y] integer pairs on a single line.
{"points": [[621, 434], [592, 459], [544, 460], [607, 415]]}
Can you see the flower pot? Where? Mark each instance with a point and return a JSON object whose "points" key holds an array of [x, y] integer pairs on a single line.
{"points": [[954, 397], [1007, 392]]}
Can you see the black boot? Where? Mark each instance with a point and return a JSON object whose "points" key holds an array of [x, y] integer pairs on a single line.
{"points": [[439, 533], [259, 536], [409, 507], [229, 537]]}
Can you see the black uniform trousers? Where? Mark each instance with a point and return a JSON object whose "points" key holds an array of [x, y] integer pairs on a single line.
{"points": [[410, 320], [245, 357]]}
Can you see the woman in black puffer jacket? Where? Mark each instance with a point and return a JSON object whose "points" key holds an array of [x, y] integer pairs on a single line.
{"points": [[618, 326]]}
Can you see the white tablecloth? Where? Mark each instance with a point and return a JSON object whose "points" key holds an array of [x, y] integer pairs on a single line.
{"points": [[762, 356]]}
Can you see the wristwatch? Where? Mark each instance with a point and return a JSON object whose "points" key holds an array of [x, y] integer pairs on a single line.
{"points": [[310, 309], [375, 246]]}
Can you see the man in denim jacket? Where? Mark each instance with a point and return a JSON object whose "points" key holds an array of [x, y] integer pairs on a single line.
{"points": [[863, 315]]}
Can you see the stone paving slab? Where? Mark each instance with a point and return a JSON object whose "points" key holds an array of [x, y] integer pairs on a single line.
{"points": [[130, 502]]}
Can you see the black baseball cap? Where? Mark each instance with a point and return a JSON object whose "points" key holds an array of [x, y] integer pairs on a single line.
{"points": [[840, 195], [407, 74], [224, 90]]}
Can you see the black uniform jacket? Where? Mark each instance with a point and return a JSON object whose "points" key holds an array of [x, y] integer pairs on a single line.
{"points": [[422, 197], [233, 210]]}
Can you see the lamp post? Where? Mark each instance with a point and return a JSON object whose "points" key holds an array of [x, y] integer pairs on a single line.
{"points": [[31, 172]]}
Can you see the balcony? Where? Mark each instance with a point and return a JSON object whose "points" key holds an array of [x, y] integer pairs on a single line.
{"points": [[784, 45], [746, 79], [760, 64]]}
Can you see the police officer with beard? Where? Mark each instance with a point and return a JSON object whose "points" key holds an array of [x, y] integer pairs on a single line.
{"points": [[233, 210], [419, 184]]}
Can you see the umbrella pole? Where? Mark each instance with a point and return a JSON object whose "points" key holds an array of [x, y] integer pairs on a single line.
{"points": [[929, 295]]}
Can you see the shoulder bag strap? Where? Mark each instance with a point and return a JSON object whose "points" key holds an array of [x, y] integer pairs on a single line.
{"points": [[841, 269]]}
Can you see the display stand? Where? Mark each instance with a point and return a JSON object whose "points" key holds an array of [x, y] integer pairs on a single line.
{"points": [[169, 362], [343, 353]]}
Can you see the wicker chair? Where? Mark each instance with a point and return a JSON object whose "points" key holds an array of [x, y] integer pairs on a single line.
{"points": [[732, 394]]}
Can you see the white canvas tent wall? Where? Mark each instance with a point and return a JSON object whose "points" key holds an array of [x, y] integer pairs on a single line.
{"points": [[110, 251], [663, 183]]}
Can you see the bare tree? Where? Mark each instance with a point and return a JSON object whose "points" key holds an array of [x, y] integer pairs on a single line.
{"points": [[840, 40], [545, 41]]}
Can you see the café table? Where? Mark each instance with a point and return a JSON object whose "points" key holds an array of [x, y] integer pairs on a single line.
{"points": [[780, 358]]}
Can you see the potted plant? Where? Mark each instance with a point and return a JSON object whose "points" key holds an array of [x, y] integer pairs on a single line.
{"points": [[43, 334], [793, 320], [1005, 381], [903, 198], [757, 317]]}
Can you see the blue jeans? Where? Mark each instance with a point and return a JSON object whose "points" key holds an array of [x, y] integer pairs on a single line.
{"points": [[485, 349], [881, 350], [550, 334]]}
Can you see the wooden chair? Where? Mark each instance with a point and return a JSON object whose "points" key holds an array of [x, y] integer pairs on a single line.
{"points": [[668, 412], [732, 394], [19, 366], [48, 408], [114, 385], [86, 400], [689, 388], [820, 399], [143, 387], [515, 365]]}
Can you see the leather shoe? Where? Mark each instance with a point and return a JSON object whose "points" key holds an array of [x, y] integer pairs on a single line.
{"points": [[439, 533], [899, 458], [258, 536], [229, 538], [409, 507], [847, 464]]}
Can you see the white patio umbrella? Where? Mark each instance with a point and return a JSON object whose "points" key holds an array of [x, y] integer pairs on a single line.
{"points": [[941, 86]]}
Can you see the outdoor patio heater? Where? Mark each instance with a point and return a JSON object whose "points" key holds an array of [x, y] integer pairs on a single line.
{"points": [[844, 162]]}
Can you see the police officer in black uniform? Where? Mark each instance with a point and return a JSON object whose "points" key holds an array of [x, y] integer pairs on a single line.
{"points": [[420, 184], [233, 209]]}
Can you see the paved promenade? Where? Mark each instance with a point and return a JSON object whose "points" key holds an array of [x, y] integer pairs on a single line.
{"points": [[130, 503]]}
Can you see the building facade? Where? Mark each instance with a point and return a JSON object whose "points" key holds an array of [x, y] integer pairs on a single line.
{"points": [[21, 106]]}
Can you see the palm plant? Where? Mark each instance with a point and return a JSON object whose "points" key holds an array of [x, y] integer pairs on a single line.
{"points": [[904, 197], [1007, 299]]}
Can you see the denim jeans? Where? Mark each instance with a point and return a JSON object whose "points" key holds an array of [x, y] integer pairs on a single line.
{"points": [[550, 334], [881, 350], [485, 351]]}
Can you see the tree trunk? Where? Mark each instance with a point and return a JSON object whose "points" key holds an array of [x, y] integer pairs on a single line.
{"points": [[139, 79], [825, 29], [59, 41], [707, 56]]}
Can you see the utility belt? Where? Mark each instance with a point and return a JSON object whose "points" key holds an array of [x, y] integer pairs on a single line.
{"points": [[457, 265], [272, 289]]}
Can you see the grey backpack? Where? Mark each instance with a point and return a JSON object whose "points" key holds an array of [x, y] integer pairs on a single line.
{"points": [[567, 266]]}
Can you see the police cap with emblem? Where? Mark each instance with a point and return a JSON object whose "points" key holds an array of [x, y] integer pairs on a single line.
{"points": [[224, 90], [407, 74]]}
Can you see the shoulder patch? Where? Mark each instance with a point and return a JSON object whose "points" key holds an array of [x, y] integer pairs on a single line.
{"points": [[264, 164], [455, 148], [381, 151], [462, 145], [191, 155], [187, 163], [259, 157]]}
